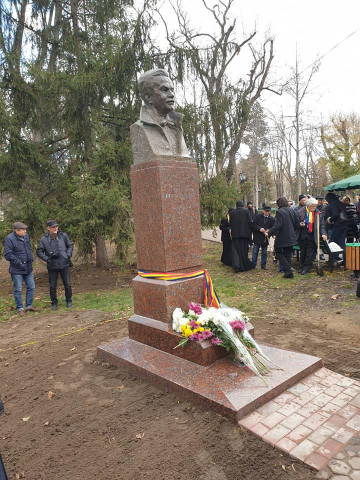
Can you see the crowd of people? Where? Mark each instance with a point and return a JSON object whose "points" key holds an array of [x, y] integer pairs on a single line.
{"points": [[54, 248], [328, 219]]}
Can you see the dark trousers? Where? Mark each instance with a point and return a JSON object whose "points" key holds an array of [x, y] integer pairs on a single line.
{"points": [[339, 236], [283, 254], [307, 252], [65, 277]]}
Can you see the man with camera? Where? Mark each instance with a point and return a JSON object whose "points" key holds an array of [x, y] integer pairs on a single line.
{"points": [[55, 248]]}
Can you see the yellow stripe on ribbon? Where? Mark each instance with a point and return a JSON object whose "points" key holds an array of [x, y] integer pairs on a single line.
{"points": [[210, 297]]}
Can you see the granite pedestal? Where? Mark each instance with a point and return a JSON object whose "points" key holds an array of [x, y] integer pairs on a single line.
{"points": [[165, 194]]}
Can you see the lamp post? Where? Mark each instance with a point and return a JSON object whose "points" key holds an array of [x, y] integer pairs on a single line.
{"points": [[242, 178], [259, 195]]}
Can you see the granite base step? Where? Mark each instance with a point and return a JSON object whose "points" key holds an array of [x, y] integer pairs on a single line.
{"points": [[223, 386]]}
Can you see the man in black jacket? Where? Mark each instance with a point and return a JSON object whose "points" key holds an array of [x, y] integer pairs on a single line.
{"points": [[262, 223], [240, 231], [56, 250], [285, 228]]}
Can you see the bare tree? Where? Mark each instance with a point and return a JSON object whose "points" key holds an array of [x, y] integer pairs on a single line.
{"points": [[298, 87], [229, 102]]}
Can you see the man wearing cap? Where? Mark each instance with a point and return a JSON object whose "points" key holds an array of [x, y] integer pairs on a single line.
{"points": [[262, 223], [320, 205], [17, 251], [302, 201], [56, 250]]}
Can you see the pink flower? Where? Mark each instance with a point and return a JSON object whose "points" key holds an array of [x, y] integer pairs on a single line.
{"points": [[207, 334], [216, 341], [195, 307], [193, 324], [238, 325], [196, 337]]}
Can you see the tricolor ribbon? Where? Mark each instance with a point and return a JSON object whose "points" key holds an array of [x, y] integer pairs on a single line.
{"points": [[210, 297]]}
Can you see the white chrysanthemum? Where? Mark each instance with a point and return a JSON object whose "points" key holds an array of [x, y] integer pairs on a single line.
{"points": [[191, 312], [218, 317], [203, 318]]}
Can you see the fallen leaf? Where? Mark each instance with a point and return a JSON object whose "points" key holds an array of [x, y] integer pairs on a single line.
{"points": [[51, 394], [121, 387], [336, 296], [316, 295], [25, 419], [46, 424], [292, 466], [72, 349], [283, 467], [140, 435]]}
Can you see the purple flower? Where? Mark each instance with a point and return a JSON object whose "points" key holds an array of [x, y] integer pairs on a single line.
{"points": [[195, 307], [196, 337], [193, 324], [216, 341], [207, 334], [238, 325]]}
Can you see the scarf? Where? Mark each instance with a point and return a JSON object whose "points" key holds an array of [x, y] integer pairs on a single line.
{"points": [[310, 220]]}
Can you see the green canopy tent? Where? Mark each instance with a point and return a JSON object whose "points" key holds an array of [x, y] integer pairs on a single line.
{"points": [[350, 183]]}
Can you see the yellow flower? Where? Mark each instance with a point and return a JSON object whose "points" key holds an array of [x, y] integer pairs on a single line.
{"points": [[187, 331]]}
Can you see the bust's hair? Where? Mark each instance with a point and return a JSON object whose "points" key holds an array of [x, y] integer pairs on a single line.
{"points": [[282, 202], [146, 81]]}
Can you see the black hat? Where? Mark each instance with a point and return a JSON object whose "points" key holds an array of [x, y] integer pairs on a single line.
{"points": [[51, 223], [319, 197], [301, 197], [18, 225], [267, 208]]}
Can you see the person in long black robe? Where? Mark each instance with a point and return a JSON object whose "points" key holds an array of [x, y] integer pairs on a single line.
{"points": [[226, 239], [240, 221]]}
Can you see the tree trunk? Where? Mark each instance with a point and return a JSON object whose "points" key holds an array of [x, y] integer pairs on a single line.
{"points": [[102, 260]]}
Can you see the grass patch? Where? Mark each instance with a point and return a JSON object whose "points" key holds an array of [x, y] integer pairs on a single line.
{"points": [[114, 301]]}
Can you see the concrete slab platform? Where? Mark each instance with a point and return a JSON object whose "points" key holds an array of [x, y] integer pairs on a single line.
{"points": [[223, 386]]}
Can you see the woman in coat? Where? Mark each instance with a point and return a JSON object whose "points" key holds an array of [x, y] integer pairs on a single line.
{"points": [[338, 220]]}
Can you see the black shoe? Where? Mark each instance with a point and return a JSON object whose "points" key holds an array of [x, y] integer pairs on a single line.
{"points": [[54, 306], [69, 304], [236, 270], [304, 272], [288, 275], [263, 267]]}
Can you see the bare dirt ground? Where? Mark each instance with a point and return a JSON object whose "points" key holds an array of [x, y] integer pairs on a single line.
{"points": [[69, 417]]}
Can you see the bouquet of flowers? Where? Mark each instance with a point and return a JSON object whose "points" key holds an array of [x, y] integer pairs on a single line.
{"points": [[225, 327]]}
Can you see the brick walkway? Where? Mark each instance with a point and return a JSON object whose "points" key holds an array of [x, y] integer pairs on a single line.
{"points": [[316, 421]]}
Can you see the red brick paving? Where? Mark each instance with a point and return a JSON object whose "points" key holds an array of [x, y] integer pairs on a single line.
{"points": [[313, 420]]}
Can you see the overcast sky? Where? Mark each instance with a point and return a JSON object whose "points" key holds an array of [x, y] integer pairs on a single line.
{"points": [[314, 27]]}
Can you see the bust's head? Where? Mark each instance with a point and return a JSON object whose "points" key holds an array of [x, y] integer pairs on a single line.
{"points": [[157, 91]]}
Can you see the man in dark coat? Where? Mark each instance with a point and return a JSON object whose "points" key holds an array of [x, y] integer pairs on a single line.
{"points": [[302, 201], [17, 251], [262, 222], [309, 216], [320, 204], [285, 229], [56, 250], [240, 231]]}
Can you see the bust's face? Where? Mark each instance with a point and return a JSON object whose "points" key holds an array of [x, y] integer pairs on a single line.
{"points": [[162, 97]]}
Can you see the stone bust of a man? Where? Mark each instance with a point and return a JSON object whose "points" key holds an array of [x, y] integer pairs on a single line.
{"points": [[158, 133]]}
